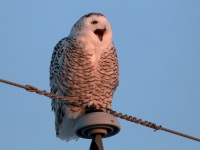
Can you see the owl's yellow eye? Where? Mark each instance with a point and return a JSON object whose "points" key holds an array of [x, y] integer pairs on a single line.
{"points": [[94, 22]]}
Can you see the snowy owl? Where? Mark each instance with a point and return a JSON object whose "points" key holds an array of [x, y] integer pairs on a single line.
{"points": [[84, 66]]}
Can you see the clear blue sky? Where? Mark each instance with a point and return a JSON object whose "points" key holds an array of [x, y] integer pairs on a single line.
{"points": [[158, 45]]}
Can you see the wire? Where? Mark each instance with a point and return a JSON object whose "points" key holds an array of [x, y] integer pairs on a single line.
{"points": [[152, 125], [72, 101]]}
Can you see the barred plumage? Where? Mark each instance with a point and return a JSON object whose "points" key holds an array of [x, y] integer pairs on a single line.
{"points": [[83, 66]]}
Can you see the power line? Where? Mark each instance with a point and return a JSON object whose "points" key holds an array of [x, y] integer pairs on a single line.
{"points": [[114, 113]]}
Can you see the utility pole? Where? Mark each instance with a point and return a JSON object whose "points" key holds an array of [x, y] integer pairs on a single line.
{"points": [[97, 125]]}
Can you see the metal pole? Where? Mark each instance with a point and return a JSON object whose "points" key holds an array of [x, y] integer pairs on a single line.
{"points": [[96, 143]]}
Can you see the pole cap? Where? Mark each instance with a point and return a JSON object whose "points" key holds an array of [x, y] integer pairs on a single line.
{"points": [[97, 123]]}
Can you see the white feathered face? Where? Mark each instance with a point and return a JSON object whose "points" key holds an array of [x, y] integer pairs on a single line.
{"points": [[93, 26]]}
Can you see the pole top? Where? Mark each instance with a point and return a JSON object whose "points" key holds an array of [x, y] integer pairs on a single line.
{"points": [[97, 123]]}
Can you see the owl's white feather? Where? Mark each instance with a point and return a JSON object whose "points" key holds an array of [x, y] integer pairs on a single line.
{"points": [[84, 66]]}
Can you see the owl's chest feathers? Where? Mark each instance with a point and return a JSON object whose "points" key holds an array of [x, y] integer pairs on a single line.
{"points": [[84, 62], [95, 56], [95, 50]]}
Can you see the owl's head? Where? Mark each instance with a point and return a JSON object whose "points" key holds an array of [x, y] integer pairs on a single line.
{"points": [[93, 26]]}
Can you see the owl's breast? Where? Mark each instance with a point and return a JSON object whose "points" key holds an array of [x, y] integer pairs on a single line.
{"points": [[90, 75]]}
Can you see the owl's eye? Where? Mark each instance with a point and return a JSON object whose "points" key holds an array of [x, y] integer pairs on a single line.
{"points": [[94, 22]]}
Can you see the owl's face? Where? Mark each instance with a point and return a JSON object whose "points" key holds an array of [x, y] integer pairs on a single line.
{"points": [[94, 27]]}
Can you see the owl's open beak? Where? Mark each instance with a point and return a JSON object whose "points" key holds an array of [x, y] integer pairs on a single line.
{"points": [[100, 33]]}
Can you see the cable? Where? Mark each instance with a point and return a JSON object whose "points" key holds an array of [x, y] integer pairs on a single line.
{"points": [[114, 113], [152, 125]]}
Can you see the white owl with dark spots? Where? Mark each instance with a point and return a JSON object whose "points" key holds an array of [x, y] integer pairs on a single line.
{"points": [[83, 67]]}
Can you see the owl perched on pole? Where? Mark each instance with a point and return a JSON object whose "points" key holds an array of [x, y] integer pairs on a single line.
{"points": [[84, 66]]}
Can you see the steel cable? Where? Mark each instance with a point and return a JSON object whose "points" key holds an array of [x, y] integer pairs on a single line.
{"points": [[114, 113]]}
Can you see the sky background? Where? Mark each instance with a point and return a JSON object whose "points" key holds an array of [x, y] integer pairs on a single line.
{"points": [[158, 46]]}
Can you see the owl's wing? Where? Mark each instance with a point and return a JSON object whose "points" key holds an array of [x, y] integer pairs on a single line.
{"points": [[60, 77], [56, 71], [56, 63]]}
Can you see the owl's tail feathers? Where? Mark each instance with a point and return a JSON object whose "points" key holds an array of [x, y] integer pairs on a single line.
{"points": [[65, 130]]}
